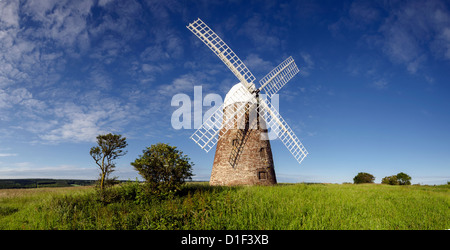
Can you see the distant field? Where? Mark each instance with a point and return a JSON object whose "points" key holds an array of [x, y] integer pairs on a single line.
{"points": [[199, 206], [40, 183]]}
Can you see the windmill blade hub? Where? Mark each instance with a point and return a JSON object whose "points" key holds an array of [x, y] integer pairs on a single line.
{"points": [[230, 98]]}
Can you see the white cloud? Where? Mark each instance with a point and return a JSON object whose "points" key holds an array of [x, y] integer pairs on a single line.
{"points": [[104, 2], [174, 46], [82, 123], [28, 52], [181, 84], [59, 61], [380, 84], [363, 12], [7, 154], [100, 78], [154, 53], [81, 127], [305, 70], [160, 10], [401, 46], [257, 64], [16, 96], [409, 33], [151, 68], [19, 104], [167, 45], [60, 21], [33, 58], [415, 30], [8, 13], [441, 45], [262, 34]]}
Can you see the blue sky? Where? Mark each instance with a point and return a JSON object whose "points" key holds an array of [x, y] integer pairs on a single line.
{"points": [[372, 94]]}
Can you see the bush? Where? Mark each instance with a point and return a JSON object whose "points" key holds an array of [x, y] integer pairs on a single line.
{"points": [[390, 180], [129, 190], [363, 178], [403, 179], [107, 195], [164, 168], [399, 179]]}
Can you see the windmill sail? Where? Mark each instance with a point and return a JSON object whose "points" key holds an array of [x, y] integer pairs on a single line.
{"points": [[219, 122], [282, 130], [241, 100], [278, 77], [221, 49]]}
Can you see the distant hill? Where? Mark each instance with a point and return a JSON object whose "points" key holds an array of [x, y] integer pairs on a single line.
{"points": [[37, 183]]}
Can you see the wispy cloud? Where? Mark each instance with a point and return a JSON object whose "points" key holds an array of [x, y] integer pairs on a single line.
{"points": [[179, 85], [257, 65], [83, 122], [63, 22], [264, 36], [68, 73], [409, 33], [380, 84], [415, 31], [7, 154], [305, 69]]}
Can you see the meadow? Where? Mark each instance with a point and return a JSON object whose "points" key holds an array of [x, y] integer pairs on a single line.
{"points": [[200, 206]]}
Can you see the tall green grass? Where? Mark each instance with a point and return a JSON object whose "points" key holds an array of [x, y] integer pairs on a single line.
{"points": [[199, 206], [344, 207]]}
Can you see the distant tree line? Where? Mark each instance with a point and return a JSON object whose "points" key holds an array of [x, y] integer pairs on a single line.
{"points": [[399, 179], [38, 183]]}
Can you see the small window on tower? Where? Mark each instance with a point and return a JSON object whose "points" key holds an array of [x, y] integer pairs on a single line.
{"points": [[262, 175], [262, 153]]}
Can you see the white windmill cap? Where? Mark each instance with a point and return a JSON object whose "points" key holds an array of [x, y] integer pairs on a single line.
{"points": [[239, 93]]}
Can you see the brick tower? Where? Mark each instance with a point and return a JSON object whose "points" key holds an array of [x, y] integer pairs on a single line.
{"points": [[243, 154]]}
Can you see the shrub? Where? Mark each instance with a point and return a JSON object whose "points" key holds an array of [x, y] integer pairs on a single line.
{"points": [[390, 180], [399, 179], [129, 190], [363, 178], [403, 179], [164, 168]]}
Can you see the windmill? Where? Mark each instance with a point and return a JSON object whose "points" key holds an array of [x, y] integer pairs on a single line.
{"points": [[239, 126]]}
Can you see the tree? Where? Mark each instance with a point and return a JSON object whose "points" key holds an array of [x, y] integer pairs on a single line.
{"points": [[390, 180], [403, 179], [363, 178], [109, 148], [163, 167]]}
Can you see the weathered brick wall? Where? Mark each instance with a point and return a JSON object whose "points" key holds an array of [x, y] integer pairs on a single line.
{"points": [[243, 157]]}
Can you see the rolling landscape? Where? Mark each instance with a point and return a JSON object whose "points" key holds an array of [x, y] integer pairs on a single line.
{"points": [[198, 206], [39, 183], [229, 115]]}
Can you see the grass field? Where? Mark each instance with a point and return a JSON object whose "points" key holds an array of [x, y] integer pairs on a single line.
{"points": [[199, 206]]}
